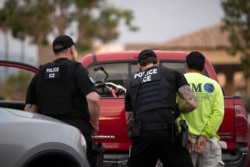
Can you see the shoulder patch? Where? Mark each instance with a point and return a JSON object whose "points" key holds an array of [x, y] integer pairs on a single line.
{"points": [[209, 87]]}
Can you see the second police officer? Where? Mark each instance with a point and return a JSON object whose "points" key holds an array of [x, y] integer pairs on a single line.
{"points": [[151, 109]]}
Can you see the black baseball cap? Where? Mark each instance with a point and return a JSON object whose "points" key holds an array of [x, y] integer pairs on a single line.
{"points": [[62, 42], [145, 54]]}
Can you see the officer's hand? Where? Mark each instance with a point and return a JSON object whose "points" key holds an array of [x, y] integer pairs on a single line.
{"points": [[200, 144], [95, 129]]}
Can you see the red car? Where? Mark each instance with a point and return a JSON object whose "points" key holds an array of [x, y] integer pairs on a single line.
{"points": [[117, 67]]}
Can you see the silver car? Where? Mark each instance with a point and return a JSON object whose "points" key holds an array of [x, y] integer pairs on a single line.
{"points": [[34, 140]]}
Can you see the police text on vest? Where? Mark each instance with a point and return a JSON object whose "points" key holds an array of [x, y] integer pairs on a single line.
{"points": [[51, 72], [147, 75]]}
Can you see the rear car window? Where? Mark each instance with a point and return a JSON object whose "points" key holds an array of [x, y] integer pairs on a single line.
{"points": [[119, 73]]}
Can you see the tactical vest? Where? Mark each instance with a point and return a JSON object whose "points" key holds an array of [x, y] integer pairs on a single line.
{"points": [[155, 92], [54, 90]]}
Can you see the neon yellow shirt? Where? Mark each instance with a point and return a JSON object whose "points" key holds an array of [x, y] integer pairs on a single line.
{"points": [[207, 117]]}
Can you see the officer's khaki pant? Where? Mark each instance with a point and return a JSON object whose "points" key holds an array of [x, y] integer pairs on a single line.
{"points": [[211, 157]]}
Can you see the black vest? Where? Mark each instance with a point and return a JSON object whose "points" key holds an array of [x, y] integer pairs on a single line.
{"points": [[157, 91], [57, 92]]}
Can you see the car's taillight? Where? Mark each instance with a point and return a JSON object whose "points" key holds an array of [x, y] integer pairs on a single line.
{"points": [[242, 124]]}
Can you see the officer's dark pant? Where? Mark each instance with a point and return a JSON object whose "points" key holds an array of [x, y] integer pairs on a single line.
{"points": [[153, 145], [83, 127]]}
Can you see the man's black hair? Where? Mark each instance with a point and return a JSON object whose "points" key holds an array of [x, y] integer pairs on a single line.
{"points": [[195, 60]]}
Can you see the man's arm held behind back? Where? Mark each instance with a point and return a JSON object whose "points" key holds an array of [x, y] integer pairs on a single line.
{"points": [[188, 95]]}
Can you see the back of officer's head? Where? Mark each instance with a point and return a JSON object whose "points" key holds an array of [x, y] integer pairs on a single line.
{"points": [[62, 42], [146, 57], [195, 60]]}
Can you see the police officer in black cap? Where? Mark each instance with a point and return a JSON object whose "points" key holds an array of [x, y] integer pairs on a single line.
{"points": [[63, 89], [151, 110]]}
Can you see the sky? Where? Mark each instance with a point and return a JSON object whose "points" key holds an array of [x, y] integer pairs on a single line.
{"points": [[158, 21], [162, 20]]}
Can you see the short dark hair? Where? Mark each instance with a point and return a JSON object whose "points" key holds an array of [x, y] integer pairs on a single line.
{"points": [[147, 56], [195, 60]]}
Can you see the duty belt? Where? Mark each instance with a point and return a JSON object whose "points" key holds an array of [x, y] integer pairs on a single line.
{"points": [[155, 126]]}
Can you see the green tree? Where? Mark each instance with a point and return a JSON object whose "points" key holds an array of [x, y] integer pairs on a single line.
{"points": [[96, 20], [237, 23], [16, 85], [4, 26]]}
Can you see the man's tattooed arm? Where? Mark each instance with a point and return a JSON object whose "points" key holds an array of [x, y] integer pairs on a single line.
{"points": [[190, 99]]}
